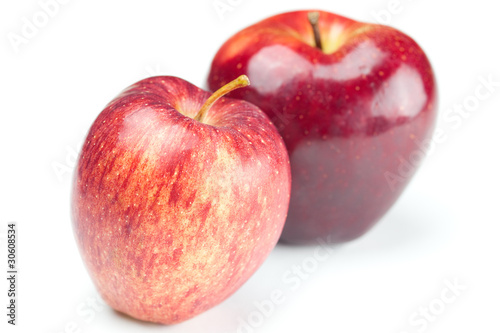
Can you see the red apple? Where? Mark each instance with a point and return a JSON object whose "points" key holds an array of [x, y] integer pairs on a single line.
{"points": [[354, 103], [176, 200]]}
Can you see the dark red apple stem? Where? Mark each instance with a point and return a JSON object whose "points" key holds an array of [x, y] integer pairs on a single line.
{"points": [[240, 82], [313, 18]]}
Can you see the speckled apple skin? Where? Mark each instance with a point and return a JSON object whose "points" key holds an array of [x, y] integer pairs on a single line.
{"points": [[351, 116], [172, 215]]}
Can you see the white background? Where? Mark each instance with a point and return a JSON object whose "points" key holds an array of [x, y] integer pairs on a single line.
{"points": [[445, 227]]}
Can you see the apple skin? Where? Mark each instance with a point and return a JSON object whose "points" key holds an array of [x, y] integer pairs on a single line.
{"points": [[172, 215], [354, 115]]}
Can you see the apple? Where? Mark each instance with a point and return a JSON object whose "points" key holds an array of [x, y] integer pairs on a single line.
{"points": [[178, 197], [355, 104]]}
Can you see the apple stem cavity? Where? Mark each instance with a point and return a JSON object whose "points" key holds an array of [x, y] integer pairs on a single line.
{"points": [[313, 18], [240, 82]]}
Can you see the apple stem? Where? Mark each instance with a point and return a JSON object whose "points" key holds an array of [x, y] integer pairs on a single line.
{"points": [[313, 18], [240, 82]]}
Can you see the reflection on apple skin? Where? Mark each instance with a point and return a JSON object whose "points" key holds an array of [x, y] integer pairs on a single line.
{"points": [[349, 118]]}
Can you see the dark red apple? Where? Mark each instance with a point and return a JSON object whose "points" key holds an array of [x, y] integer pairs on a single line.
{"points": [[354, 102], [177, 200]]}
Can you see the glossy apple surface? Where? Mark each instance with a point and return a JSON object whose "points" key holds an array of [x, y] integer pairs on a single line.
{"points": [[172, 215], [354, 114]]}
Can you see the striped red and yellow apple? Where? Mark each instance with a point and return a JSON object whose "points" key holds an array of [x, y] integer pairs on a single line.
{"points": [[178, 198]]}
